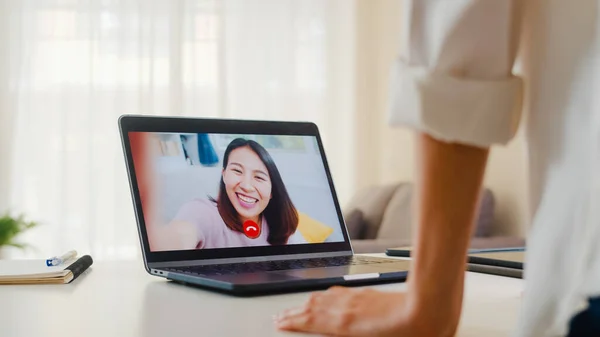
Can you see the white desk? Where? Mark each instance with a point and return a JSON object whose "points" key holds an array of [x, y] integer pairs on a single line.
{"points": [[121, 299]]}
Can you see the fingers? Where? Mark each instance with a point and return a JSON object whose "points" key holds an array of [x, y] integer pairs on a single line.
{"points": [[320, 314], [302, 318], [308, 321], [345, 312], [296, 319]]}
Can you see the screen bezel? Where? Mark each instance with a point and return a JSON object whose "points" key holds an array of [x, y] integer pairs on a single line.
{"points": [[137, 123]]}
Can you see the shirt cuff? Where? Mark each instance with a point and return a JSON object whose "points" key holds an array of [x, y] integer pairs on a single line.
{"points": [[454, 109]]}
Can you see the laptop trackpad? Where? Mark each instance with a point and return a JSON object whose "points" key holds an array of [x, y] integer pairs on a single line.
{"points": [[329, 272]]}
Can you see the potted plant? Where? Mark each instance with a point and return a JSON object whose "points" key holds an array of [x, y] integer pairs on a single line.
{"points": [[10, 228]]}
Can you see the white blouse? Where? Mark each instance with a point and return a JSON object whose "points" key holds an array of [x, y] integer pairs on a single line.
{"points": [[454, 80]]}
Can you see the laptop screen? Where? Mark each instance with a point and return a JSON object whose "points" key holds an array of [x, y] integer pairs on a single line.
{"points": [[211, 191]]}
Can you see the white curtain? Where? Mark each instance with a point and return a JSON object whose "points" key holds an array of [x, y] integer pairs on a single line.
{"points": [[69, 68]]}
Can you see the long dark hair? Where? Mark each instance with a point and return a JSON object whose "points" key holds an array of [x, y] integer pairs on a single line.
{"points": [[280, 213]]}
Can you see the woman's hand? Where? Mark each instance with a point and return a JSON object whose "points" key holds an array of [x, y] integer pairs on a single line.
{"points": [[366, 312]]}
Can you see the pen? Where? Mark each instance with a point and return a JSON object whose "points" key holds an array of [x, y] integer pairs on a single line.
{"points": [[56, 261]]}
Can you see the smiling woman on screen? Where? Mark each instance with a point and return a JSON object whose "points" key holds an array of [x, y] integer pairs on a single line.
{"points": [[252, 208]]}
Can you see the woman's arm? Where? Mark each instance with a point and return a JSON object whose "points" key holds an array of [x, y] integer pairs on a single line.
{"points": [[448, 188], [454, 86], [177, 235], [189, 229]]}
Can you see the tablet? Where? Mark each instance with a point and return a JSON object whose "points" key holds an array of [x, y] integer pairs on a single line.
{"points": [[507, 262]]}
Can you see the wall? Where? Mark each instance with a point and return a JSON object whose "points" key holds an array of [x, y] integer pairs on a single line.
{"points": [[387, 154]]}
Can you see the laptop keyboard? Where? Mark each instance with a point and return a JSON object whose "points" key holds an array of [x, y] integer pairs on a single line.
{"points": [[253, 267]]}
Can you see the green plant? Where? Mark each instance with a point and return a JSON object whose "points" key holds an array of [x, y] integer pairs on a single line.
{"points": [[11, 227]]}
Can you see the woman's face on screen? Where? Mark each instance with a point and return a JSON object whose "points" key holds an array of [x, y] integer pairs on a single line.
{"points": [[247, 183]]}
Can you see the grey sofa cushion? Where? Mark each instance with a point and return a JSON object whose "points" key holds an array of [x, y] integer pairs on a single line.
{"points": [[355, 224], [397, 218], [387, 212], [485, 218], [372, 202]]}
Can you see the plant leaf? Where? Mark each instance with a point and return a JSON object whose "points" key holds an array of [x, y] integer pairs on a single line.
{"points": [[10, 227]]}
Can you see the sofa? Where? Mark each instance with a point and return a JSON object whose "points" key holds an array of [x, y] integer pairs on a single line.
{"points": [[380, 217]]}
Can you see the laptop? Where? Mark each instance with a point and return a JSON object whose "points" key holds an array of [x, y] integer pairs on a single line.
{"points": [[242, 207]]}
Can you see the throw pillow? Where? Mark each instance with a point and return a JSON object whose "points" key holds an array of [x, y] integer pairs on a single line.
{"points": [[355, 224], [372, 202], [312, 230], [396, 223], [485, 218]]}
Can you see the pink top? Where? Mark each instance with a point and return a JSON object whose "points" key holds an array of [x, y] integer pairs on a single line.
{"points": [[211, 228], [214, 233]]}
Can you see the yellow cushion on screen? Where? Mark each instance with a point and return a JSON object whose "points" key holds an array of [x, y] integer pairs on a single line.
{"points": [[312, 230]]}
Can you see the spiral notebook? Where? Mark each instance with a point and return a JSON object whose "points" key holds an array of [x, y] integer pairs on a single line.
{"points": [[36, 271]]}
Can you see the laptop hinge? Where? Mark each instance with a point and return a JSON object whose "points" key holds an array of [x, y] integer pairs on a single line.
{"points": [[247, 259]]}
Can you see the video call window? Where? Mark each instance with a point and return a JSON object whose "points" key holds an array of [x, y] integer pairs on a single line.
{"points": [[207, 191]]}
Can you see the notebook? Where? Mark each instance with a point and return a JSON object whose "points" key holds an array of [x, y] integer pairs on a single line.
{"points": [[35, 271]]}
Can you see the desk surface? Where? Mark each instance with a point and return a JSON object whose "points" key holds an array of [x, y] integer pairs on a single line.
{"points": [[121, 299]]}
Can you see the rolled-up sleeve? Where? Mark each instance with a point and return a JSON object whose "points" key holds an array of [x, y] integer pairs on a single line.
{"points": [[453, 79]]}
